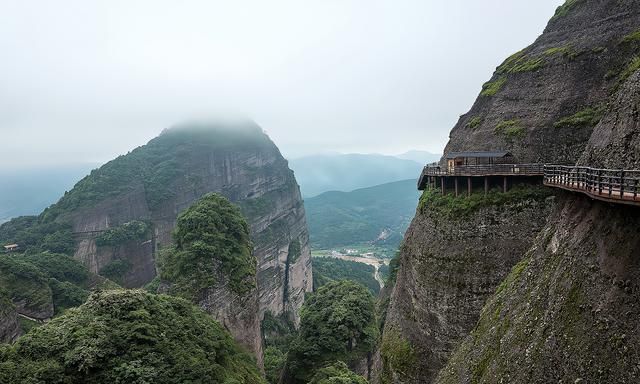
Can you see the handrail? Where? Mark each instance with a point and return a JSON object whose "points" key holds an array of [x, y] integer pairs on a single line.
{"points": [[614, 185], [605, 184], [486, 169]]}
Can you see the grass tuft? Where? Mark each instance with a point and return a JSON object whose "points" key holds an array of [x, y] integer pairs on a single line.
{"points": [[492, 87], [509, 129]]}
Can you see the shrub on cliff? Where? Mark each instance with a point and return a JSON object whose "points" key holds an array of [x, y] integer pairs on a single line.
{"points": [[128, 337], [44, 280], [337, 324], [211, 238], [337, 373]]}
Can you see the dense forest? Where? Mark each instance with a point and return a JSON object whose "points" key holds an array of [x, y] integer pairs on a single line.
{"points": [[327, 269], [130, 336]]}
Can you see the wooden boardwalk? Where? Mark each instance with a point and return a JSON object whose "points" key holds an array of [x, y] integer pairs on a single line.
{"points": [[486, 170], [619, 186], [611, 185]]}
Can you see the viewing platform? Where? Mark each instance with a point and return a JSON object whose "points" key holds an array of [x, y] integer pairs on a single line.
{"points": [[491, 170]]}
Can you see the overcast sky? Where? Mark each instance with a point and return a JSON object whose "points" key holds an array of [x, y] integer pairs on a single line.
{"points": [[84, 81]]}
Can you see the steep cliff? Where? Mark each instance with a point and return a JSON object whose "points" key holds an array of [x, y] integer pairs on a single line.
{"points": [[450, 264], [568, 312], [542, 104], [9, 328], [123, 213], [212, 265]]}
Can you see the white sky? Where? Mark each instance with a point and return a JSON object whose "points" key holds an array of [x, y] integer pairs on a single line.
{"points": [[84, 81]]}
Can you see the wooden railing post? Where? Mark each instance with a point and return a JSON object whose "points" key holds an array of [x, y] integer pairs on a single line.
{"points": [[599, 181], [622, 183]]}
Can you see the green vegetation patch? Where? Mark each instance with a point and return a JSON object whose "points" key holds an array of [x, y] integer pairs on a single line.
{"points": [[463, 205], [44, 279], [587, 117], [520, 62], [25, 283], [328, 269], [338, 323], [337, 373], [633, 66], [631, 38], [211, 238], [565, 8], [278, 332], [398, 356], [128, 337], [34, 235], [565, 50], [133, 230], [474, 122], [491, 88], [116, 270], [510, 129], [295, 251]]}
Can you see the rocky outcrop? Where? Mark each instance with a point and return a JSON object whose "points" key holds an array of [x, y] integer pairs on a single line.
{"points": [[568, 98], [568, 312], [238, 161], [238, 313], [449, 266], [9, 326], [573, 67]]}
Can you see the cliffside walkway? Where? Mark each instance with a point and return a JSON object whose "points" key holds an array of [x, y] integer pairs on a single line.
{"points": [[611, 185]]}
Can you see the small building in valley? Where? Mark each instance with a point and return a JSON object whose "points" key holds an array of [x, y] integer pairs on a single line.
{"points": [[11, 248]]}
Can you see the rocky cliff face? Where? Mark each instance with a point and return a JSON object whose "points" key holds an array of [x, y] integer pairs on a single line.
{"points": [[239, 162], [450, 265], [573, 89], [568, 312], [9, 327], [543, 102]]}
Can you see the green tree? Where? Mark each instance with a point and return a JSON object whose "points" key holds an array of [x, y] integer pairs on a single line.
{"points": [[128, 337], [209, 235], [337, 324], [337, 373]]}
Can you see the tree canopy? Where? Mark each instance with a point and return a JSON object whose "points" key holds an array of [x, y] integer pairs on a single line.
{"points": [[337, 324], [337, 373], [210, 234], [128, 337]]}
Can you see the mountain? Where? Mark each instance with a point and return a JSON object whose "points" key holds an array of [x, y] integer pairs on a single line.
{"points": [[422, 157], [378, 214], [535, 285], [29, 191], [117, 219], [323, 173]]}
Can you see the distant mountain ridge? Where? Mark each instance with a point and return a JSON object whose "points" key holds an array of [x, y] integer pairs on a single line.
{"points": [[347, 172], [345, 218]]}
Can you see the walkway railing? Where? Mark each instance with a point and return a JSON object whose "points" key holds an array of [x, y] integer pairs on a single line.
{"points": [[487, 170], [481, 170], [615, 185]]}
